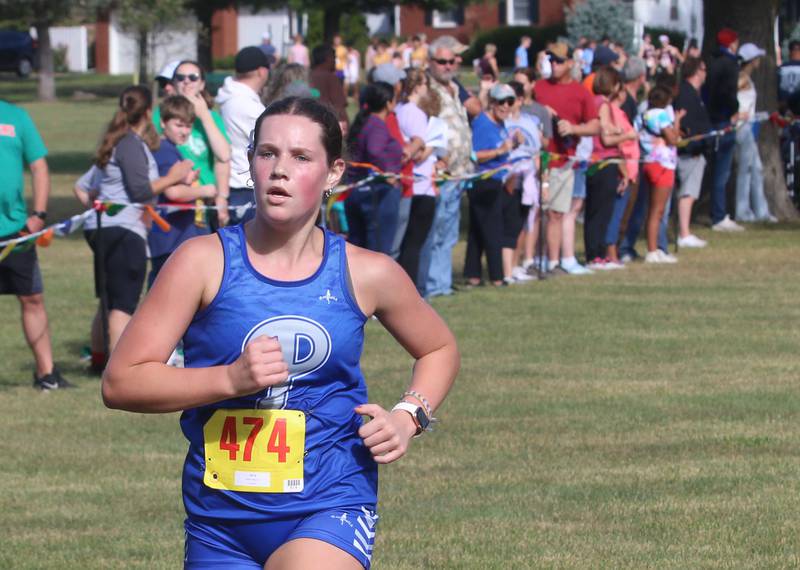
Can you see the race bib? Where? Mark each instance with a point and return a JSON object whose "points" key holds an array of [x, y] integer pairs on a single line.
{"points": [[255, 451]]}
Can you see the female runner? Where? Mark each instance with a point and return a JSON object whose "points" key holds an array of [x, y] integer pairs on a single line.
{"points": [[281, 470]]}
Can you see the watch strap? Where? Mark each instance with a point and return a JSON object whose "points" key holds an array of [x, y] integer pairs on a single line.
{"points": [[414, 411]]}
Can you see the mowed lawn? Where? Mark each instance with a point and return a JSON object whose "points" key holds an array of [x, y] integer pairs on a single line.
{"points": [[645, 418]]}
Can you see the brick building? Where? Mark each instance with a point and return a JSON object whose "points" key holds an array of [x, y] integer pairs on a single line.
{"points": [[466, 21]]}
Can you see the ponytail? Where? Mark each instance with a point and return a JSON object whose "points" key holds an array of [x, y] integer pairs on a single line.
{"points": [[134, 102]]}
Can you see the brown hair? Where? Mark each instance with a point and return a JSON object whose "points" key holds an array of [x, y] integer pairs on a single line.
{"points": [[134, 102], [659, 97], [690, 67], [414, 78], [177, 107], [606, 81], [431, 103]]}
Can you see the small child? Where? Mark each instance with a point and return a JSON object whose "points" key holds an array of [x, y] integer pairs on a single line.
{"points": [[177, 117], [660, 132]]}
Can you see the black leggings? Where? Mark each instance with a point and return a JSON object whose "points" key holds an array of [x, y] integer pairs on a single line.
{"points": [[420, 220], [601, 193], [485, 229]]}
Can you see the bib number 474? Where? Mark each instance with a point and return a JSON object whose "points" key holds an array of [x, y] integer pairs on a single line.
{"points": [[276, 443]]}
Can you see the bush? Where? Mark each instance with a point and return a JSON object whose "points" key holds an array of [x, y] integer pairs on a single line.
{"points": [[226, 62], [595, 19], [676, 37], [507, 39], [60, 59]]}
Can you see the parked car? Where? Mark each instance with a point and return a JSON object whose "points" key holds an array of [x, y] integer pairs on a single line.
{"points": [[17, 52]]}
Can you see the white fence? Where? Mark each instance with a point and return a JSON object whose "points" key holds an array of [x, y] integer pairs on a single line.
{"points": [[76, 41]]}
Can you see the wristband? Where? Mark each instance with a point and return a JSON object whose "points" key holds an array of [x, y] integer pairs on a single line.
{"points": [[421, 399], [41, 214]]}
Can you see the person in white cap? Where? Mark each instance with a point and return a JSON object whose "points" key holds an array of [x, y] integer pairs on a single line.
{"points": [[751, 205]]}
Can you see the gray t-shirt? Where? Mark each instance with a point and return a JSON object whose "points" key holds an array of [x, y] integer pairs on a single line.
{"points": [[543, 114], [125, 180]]}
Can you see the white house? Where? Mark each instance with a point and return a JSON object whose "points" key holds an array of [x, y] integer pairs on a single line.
{"points": [[682, 15]]}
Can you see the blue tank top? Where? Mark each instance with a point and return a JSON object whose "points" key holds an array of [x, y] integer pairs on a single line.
{"points": [[321, 330]]}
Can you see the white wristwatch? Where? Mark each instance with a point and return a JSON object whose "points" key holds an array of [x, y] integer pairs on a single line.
{"points": [[418, 414]]}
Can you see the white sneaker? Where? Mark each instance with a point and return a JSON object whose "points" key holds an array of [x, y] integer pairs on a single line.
{"points": [[611, 265], [668, 257], [726, 224], [691, 241], [627, 258], [659, 256], [520, 274]]}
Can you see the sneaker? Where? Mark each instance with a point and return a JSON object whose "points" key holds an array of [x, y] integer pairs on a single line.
{"points": [[613, 265], [520, 274], [597, 264], [691, 241], [668, 257], [659, 256], [557, 271], [770, 219], [726, 224], [52, 381], [576, 268], [626, 258]]}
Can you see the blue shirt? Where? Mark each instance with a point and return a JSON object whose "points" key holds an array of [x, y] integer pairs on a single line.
{"points": [[521, 57], [182, 223], [486, 134], [321, 330]]}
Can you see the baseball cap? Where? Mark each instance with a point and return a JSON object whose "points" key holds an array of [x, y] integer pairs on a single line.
{"points": [[604, 56], [168, 71], [266, 36], [726, 37], [501, 91], [388, 73], [749, 52], [249, 59], [560, 50]]}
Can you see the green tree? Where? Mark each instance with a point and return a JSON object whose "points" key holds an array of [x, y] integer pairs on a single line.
{"points": [[599, 18], [146, 19]]}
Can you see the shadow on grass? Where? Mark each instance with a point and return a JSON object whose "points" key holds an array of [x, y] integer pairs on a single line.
{"points": [[69, 162]]}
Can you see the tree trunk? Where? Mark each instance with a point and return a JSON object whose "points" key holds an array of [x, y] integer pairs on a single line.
{"points": [[204, 13], [331, 24], [754, 22], [143, 39], [47, 83]]}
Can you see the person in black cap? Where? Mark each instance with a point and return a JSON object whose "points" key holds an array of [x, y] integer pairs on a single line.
{"points": [[239, 101]]}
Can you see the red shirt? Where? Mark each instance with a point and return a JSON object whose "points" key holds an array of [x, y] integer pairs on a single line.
{"points": [[408, 168], [572, 102]]}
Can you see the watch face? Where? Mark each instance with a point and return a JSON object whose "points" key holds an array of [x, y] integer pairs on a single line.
{"points": [[422, 419]]}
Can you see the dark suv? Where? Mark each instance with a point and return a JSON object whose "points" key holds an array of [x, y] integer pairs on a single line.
{"points": [[17, 52]]}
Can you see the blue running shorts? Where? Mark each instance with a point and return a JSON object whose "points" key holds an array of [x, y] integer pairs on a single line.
{"points": [[214, 545]]}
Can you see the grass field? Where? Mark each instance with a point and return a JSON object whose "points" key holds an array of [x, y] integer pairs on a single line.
{"points": [[646, 418]]}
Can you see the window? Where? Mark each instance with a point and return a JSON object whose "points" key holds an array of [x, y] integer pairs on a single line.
{"points": [[673, 10], [522, 12], [445, 18]]}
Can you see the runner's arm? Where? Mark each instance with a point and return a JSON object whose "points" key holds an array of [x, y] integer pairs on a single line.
{"points": [[383, 288], [137, 378]]}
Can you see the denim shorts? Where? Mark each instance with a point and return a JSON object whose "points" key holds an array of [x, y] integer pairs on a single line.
{"points": [[579, 189]]}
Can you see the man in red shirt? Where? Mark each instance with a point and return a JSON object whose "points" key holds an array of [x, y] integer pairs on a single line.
{"points": [[574, 115]]}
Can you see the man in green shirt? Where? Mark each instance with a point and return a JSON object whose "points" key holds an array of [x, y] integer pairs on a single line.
{"points": [[20, 144]]}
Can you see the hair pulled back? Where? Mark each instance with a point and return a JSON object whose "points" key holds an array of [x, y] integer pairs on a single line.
{"points": [[374, 98], [134, 102], [313, 110]]}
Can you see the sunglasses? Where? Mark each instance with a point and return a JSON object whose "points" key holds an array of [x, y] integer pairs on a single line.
{"points": [[507, 101], [445, 61], [180, 77]]}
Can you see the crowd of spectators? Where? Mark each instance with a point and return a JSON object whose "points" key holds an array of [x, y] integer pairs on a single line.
{"points": [[586, 134]]}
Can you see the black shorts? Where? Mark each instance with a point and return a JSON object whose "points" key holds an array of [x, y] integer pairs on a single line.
{"points": [[19, 271], [514, 215], [124, 264]]}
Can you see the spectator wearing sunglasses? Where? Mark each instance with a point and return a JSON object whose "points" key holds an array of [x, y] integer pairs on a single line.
{"points": [[208, 146], [436, 259], [492, 143], [575, 116]]}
